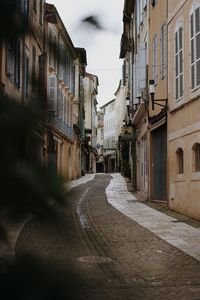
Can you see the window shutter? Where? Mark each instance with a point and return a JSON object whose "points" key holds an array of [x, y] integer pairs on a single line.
{"points": [[192, 51], [179, 63], [52, 95], [26, 74], [65, 110], [67, 70], [10, 60], [154, 67], [67, 113], [142, 66], [60, 104], [195, 48], [17, 63], [197, 20], [138, 93], [197, 29]]}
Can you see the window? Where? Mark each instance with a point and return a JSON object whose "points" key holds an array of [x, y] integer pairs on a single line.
{"points": [[60, 104], [41, 13], [26, 73], [35, 6], [155, 58], [102, 133], [33, 71], [180, 161], [138, 7], [52, 93], [179, 63], [196, 157], [13, 62], [163, 51], [195, 48]]}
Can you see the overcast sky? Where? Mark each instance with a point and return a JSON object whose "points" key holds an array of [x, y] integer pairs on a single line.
{"points": [[103, 46]]}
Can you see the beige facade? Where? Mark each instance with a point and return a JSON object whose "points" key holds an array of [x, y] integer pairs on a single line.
{"points": [[63, 141], [20, 62], [184, 105], [157, 109]]}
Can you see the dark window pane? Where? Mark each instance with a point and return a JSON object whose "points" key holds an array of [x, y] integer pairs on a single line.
{"points": [[198, 46], [197, 20], [198, 73], [192, 77]]}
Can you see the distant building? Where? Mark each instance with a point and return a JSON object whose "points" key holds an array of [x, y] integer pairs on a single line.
{"points": [[109, 146], [100, 140], [91, 122]]}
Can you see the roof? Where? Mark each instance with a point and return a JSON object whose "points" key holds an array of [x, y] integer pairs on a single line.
{"points": [[53, 17], [107, 103], [82, 54]]}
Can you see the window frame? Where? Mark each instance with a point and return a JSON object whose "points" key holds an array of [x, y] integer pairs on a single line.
{"points": [[163, 52], [196, 157], [193, 54], [155, 59], [180, 168], [177, 73]]}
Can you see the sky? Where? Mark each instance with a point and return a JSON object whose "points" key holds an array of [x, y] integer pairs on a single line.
{"points": [[102, 45]]}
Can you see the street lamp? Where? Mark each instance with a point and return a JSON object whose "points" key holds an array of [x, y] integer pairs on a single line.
{"points": [[152, 94]]}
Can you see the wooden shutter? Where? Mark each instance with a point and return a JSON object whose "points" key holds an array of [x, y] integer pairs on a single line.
{"points": [[197, 32], [59, 102], [17, 63], [52, 93], [65, 110], [154, 67], [179, 63], [10, 60], [142, 66], [192, 51]]}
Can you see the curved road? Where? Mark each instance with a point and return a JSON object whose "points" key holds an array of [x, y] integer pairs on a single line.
{"points": [[99, 253]]}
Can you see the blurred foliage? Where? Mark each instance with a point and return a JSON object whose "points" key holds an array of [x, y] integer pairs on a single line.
{"points": [[30, 277], [27, 187]]}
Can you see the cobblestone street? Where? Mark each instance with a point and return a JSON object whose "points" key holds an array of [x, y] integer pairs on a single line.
{"points": [[106, 253]]}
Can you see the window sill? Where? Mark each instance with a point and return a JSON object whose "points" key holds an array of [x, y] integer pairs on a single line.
{"points": [[195, 176], [195, 93], [179, 178]]}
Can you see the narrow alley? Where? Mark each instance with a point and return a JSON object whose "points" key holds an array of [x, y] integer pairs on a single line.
{"points": [[105, 250]]}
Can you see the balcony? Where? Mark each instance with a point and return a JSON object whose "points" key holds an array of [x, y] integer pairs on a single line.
{"points": [[61, 126]]}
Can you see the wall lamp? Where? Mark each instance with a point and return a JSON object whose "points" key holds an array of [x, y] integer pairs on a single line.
{"points": [[152, 94]]}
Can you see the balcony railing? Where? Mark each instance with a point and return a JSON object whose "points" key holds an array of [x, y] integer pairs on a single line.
{"points": [[61, 126]]}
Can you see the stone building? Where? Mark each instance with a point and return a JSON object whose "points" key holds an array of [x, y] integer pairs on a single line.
{"points": [[109, 144], [21, 60], [184, 105], [134, 45], [100, 140], [157, 109], [90, 83]]}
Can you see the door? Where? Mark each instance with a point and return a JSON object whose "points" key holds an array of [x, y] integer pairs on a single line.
{"points": [[159, 163]]}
